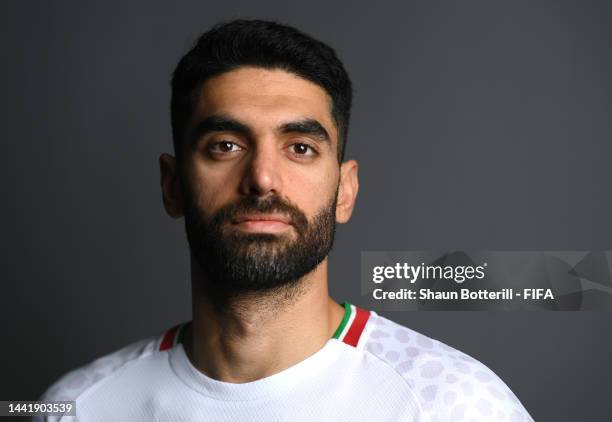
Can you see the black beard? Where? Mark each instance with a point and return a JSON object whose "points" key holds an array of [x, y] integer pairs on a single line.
{"points": [[236, 263]]}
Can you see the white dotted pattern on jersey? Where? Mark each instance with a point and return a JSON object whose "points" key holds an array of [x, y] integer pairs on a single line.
{"points": [[448, 384], [74, 383], [451, 385]]}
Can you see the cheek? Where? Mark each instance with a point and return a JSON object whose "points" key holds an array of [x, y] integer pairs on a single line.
{"points": [[312, 190], [211, 187]]}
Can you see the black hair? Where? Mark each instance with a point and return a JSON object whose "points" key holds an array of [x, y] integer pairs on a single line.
{"points": [[265, 44]]}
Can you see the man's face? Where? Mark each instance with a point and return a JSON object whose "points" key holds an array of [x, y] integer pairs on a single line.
{"points": [[260, 179]]}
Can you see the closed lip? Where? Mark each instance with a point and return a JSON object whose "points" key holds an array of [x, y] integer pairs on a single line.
{"points": [[262, 217]]}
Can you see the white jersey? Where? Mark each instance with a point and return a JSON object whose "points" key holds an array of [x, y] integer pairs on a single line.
{"points": [[372, 369]]}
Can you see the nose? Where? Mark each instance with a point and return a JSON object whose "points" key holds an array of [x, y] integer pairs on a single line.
{"points": [[262, 174]]}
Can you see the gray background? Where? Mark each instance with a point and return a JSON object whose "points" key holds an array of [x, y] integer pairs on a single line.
{"points": [[478, 125]]}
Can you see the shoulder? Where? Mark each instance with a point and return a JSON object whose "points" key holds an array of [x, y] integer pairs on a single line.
{"points": [[74, 383], [449, 384]]}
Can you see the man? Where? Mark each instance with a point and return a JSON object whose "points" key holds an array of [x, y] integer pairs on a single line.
{"points": [[260, 114]]}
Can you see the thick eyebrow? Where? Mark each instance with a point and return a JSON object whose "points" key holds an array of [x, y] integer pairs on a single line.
{"points": [[307, 127], [219, 123], [224, 123]]}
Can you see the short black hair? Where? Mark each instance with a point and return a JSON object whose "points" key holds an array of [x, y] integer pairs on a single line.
{"points": [[265, 44]]}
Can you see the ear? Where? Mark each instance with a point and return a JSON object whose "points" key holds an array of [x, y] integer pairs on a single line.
{"points": [[347, 191], [172, 193]]}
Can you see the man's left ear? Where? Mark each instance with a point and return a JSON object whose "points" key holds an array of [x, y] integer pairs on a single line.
{"points": [[347, 190]]}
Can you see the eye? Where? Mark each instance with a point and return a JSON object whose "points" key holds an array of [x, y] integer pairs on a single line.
{"points": [[302, 149], [224, 147]]}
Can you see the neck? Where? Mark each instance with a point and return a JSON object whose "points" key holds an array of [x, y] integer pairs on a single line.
{"points": [[259, 334]]}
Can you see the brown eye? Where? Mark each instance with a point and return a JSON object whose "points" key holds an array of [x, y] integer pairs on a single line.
{"points": [[302, 149], [224, 147]]}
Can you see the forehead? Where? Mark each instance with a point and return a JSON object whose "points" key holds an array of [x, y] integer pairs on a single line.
{"points": [[264, 98]]}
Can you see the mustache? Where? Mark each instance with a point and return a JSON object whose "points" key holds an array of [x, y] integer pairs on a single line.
{"points": [[256, 205]]}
